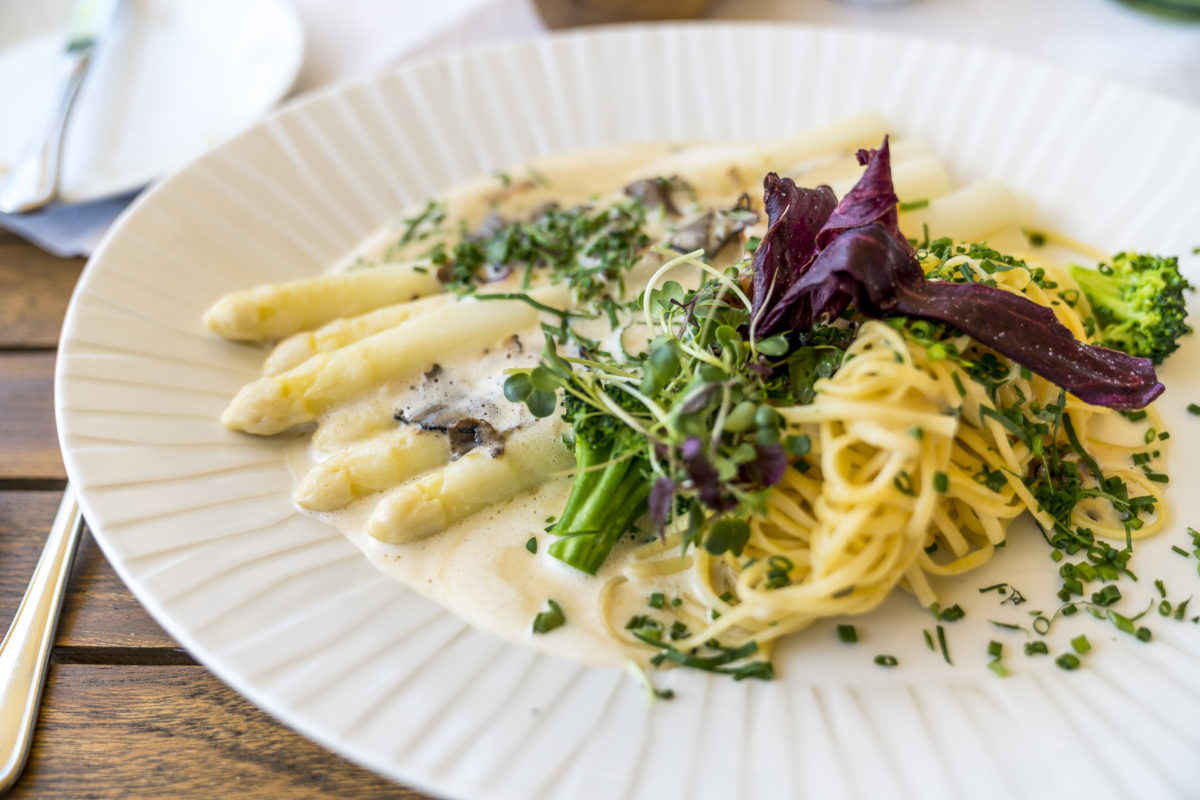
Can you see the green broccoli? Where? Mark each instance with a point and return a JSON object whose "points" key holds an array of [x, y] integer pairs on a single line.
{"points": [[611, 488], [1138, 303]]}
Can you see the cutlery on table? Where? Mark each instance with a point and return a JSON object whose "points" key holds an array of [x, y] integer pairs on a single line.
{"points": [[33, 180], [25, 652]]}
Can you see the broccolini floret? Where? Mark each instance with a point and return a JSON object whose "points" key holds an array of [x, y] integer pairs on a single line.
{"points": [[1138, 303]]}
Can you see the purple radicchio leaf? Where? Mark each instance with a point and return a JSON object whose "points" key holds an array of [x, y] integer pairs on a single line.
{"points": [[704, 475], [794, 217], [662, 494], [767, 469], [868, 266], [802, 223], [873, 199]]}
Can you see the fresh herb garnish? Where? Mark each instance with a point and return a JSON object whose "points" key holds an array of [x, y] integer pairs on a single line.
{"points": [[547, 621], [589, 248]]}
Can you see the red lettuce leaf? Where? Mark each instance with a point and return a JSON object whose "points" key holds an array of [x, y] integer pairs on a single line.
{"points": [[802, 223], [794, 217], [869, 267], [872, 199]]}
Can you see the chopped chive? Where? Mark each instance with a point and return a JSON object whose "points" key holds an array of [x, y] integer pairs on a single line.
{"points": [[952, 613], [1193, 408], [657, 599], [940, 482], [1080, 644], [1181, 609], [1006, 625], [941, 637], [1036, 648], [531, 545], [994, 648], [998, 668], [928, 639], [847, 633], [886, 661], [1067, 661], [676, 601], [547, 621], [1143, 634]]}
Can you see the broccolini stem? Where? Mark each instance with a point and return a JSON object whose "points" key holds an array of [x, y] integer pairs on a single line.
{"points": [[586, 477], [602, 506]]}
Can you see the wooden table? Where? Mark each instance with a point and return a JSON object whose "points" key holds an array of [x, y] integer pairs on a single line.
{"points": [[127, 712]]}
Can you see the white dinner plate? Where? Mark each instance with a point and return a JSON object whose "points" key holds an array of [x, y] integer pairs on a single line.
{"points": [[198, 520], [170, 80]]}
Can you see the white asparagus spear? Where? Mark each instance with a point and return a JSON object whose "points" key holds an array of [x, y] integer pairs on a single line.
{"points": [[970, 213], [300, 347], [725, 171], [276, 310], [471, 484], [278, 402], [372, 466]]}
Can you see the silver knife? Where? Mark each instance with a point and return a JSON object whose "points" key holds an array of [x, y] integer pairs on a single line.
{"points": [[33, 181]]}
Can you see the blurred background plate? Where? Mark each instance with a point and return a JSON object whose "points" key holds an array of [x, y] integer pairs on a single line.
{"points": [[169, 81], [199, 521]]}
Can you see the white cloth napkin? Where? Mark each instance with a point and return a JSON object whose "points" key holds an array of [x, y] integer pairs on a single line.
{"points": [[351, 38]]}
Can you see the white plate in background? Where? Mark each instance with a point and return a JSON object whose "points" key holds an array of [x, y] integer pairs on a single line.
{"points": [[199, 522], [170, 80]]}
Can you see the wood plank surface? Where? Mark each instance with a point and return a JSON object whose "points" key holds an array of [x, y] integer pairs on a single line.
{"points": [[34, 290], [175, 731], [99, 611], [28, 444], [25, 519]]}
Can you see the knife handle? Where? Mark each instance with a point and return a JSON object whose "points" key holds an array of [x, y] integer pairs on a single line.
{"points": [[25, 652]]}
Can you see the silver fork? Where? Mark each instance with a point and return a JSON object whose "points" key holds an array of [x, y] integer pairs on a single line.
{"points": [[25, 652]]}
